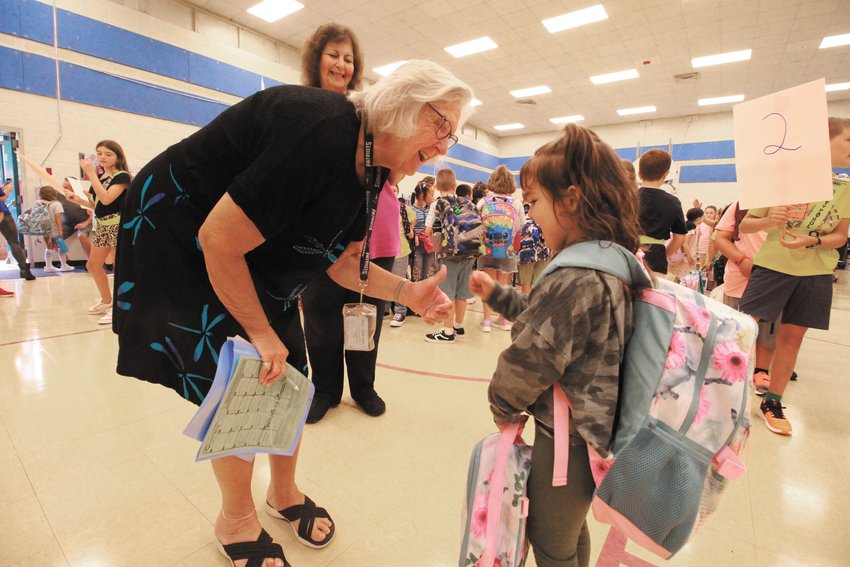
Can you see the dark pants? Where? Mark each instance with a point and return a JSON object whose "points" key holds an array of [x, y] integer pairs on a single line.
{"points": [[656, 258], [322, 303], [557, 516], [9, 230]]}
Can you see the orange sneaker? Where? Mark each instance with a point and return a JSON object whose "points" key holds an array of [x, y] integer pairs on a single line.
{"points": [[774, 418]]}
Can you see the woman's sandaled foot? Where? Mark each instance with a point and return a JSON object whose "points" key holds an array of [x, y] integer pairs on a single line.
{"points": [[312, 526], [238, 540]]}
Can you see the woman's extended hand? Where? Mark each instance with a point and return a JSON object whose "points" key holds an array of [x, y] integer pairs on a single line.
{"points": [[427, 299], [794, 241], [273, 353], [481, 284]]}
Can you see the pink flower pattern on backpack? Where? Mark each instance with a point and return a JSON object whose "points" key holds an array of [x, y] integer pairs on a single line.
{"points": [[731, 362], [699, 319], [677, 351], [478, 524]]}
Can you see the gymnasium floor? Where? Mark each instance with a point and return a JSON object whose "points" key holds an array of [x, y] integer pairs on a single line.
{"points": [[94, 470]]}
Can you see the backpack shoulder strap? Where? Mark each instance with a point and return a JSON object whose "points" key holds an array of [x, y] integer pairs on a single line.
{"points": [[603, 256]]}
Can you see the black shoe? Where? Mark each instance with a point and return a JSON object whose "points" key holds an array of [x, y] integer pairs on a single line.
{"points": [[27, 275], [440, 337], [793, 376], [371, 403], [459, 330], [318, 408]]}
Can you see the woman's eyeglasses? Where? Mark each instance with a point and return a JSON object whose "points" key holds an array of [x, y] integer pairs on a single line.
{"points": [[444, 130]]}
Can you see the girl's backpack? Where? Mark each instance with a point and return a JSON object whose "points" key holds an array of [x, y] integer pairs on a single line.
{"points": [[683, 406], [532, 246], [35, 221], [499, 220], [496, 506]]}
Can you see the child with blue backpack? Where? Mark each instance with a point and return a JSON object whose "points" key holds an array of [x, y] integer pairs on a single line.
{"points": [[570, 333], [533, 253]]}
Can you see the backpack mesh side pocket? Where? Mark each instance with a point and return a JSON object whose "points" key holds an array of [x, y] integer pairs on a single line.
{"points": [[656, 483]]}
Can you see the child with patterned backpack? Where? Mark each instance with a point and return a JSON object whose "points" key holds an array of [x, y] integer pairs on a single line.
{"points": [[533, 253], [461, 229], [569, 332], [502, 217]]}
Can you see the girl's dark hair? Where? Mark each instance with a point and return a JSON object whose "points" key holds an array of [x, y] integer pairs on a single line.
{"points": [[311, 54], [116, 148], [608, 208], [421, 190], [691, 216], [48, 193], [478, 191]]}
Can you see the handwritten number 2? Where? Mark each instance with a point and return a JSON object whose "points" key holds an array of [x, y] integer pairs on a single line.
{"points": [[773, 148]]}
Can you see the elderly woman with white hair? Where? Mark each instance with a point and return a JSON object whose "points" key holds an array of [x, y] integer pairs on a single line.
{"points": [[222, 231]]}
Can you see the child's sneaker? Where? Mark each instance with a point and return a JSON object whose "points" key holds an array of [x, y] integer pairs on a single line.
{"points": [[99, 308], [459, 330], [504, 324], [6, 293], [398, 320], [106, 319], [50, 268], [774, 418], [439, 337], [470, 301], [66, 268], [485, 326], [761, 381]]}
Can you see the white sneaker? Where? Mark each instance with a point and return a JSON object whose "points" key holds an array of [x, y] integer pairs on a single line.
{"points": [[99, 308], [50, 268], [504, 324], [470, 301], [485, 326], [106, 319], [66, 268]]}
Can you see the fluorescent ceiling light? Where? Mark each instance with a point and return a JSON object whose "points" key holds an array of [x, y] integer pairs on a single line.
{"points": [[636, 110], [614, 77], [837, 87], [575, 19], [835, 41], [522, 93], [475, 102], [470, 47], [514, 126], [387, 69], [730, 57], [720, 100], [567, 119], [273, 10]]}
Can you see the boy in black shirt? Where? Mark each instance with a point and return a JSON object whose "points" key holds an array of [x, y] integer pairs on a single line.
{"points": [[660, 212]]}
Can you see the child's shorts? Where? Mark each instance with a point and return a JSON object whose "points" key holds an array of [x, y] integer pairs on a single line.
{"points": [[508, 265], [800, 300], [529, 273], [767, 329], [456, 284]]}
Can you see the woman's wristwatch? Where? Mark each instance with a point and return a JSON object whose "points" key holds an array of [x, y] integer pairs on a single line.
{"points": [[816, 243]]}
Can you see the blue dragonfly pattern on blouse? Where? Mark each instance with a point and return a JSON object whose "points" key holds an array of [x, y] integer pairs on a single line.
{"points": [[291, 298], [331, 251], [188, 379], [141, 212], [182, 194], [205, 331], [121, 290]]}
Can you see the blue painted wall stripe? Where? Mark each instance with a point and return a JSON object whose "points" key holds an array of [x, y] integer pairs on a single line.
{"points": [[34, 20], [720, 173]]}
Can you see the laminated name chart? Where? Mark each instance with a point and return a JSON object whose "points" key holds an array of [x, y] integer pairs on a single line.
{"points": [[241, 417]]}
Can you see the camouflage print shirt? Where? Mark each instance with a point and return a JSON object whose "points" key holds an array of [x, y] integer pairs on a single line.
{"points": [[571, 329]]}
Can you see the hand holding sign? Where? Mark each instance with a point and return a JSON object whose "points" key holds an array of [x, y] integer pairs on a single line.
{"points": [[782, 151]]}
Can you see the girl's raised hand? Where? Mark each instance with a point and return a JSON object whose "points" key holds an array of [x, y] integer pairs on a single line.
{"points": [[481, 284]]}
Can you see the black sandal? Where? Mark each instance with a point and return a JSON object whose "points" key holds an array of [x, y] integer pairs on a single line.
{"points": [[307, 513], [254, 551]]}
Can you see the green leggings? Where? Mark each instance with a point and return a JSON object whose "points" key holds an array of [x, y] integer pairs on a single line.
{"points": [[557, 516]]}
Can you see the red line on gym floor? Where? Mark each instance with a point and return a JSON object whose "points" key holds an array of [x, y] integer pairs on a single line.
{"points": [[33, 339], [433, 374]]}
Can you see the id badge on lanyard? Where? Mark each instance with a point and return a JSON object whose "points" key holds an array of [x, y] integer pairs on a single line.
{"points": [[360, 319]]}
